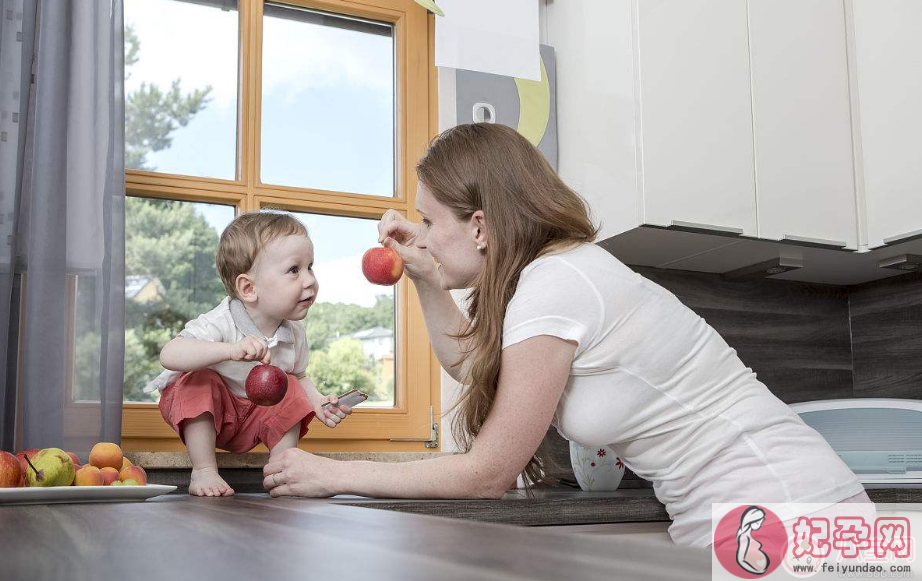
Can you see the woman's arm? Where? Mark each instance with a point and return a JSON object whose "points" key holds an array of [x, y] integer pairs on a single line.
{"points": [[533, 375], [443, 318]]}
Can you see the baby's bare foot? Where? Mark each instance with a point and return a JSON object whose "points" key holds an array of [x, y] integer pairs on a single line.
{"points": [[207, 482]]}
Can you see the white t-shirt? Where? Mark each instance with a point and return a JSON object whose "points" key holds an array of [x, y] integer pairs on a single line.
{"points": [[229, 322], [653, 380]]}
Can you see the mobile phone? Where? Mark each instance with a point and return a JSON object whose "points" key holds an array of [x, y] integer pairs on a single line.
{"points": [[351, 398]]}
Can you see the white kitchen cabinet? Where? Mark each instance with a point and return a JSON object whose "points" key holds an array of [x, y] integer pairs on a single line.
{"points": [[595, 108], [778, 119], [802, 122], [887, 59], [694, 108], [654, 112]]}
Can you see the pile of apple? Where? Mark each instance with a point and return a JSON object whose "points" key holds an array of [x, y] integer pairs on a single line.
{"points": [[55, 467]]}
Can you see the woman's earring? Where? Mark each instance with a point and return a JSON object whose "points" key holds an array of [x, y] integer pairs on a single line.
{"points": [[481, 247]]}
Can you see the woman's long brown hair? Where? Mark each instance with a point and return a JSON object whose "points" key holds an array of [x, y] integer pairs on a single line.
{"points": [[528, 212]]}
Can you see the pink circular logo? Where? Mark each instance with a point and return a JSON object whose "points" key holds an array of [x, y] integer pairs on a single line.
{"points": [[750, 541]]}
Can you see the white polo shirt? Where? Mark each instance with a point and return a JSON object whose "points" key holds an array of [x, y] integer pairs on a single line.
{"points": [[653, 380], [229, 322]]}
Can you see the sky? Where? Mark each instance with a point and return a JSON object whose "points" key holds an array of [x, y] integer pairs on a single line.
{"points": [[327, 118]]}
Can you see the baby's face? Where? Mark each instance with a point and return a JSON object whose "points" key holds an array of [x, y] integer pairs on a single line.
{"points": [[283, 276]]}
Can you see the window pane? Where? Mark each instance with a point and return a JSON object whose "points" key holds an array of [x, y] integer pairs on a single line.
{"points": [[170, 278], [181, 87], [327, 102], [350, 329]]}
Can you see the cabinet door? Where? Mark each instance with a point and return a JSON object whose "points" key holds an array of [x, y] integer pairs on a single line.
{"points": [[888, 57], [696, 118], [595, 107], [802, 121]]}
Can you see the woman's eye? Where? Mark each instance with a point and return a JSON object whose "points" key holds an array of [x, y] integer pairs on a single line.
{"points": [[427, 223]]}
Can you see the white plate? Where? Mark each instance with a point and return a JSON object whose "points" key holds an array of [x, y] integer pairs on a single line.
{"points": [[67, 494]]}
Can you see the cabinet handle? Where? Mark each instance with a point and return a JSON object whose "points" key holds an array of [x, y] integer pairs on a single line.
{"points": [[821, 242], [706, 228], [903, 237]]}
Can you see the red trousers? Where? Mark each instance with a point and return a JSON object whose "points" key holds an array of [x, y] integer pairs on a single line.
{"points": [[240, 424]]}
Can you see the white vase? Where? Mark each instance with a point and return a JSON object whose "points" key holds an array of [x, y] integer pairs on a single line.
{"points": [[597, 468]]}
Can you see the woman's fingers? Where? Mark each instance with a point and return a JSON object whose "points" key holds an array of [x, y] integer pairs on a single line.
{"points": [[388, 224], [393, 245], [273, 466], [394, 225], [283, 490]]}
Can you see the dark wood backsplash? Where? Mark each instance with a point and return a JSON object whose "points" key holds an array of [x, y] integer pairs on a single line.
{"points": [[886, 319], [794, 335]]}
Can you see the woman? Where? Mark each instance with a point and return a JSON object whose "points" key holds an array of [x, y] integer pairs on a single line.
{"points": [[749, 554], [559, 332]]}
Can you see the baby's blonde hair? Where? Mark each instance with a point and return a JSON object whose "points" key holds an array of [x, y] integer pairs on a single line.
{"points": [[242, 241]]}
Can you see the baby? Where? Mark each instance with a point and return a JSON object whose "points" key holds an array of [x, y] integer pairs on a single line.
{"points": [[266, 262]]}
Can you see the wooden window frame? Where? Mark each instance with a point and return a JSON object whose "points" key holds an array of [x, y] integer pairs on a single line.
{"points": [[417, 388]]}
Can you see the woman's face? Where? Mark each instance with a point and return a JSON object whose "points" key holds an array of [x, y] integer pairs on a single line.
{"points": [[758, 524], [451, 242]]}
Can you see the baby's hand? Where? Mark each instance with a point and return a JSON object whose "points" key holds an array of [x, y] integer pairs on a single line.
{"points": [[251, 348], [332, 414]]}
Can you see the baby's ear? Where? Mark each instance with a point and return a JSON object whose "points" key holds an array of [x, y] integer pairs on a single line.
{"points": [[245, 289]]}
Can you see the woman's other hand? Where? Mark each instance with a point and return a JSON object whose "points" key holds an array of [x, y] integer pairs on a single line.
{"points": [[295, 472], [400, 234]]}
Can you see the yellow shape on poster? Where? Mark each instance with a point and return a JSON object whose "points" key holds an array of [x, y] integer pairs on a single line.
{"points": [[431, 6], [534, 107]]}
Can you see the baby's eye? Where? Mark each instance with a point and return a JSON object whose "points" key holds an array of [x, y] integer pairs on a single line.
{"points": [[293, 270]]}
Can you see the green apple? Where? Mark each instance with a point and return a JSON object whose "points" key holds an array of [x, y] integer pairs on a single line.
{"points": [[50, 467]]}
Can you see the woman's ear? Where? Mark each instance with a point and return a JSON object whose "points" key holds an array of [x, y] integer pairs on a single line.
{"points": [[479, 229], [245, 288]]}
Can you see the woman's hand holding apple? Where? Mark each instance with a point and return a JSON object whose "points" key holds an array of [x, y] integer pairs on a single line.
{"points": [[399, 234]]}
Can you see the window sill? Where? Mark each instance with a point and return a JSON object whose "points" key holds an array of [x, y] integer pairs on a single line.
{"points": [[180, 460]]}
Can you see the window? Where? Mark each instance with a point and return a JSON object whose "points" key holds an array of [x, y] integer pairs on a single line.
{"points": [[315, 107]]}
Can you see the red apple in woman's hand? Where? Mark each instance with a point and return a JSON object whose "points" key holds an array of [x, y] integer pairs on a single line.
{"points": [[266, 385], [382, 265]]}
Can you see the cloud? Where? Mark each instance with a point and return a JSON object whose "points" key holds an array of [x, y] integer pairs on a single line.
{"points": [[199, 45], [341, 281]]}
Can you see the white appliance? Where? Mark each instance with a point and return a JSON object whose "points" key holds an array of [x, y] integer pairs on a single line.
{"points": [[879, 439]]}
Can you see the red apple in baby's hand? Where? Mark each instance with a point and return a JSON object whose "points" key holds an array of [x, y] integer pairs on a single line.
{"points": [[382, 265], [10, 471], [266, 385]]}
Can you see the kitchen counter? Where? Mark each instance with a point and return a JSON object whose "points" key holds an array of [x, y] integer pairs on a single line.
{"points": [[251, 536], [570, 507], [547, 507]]}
